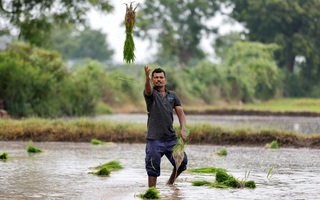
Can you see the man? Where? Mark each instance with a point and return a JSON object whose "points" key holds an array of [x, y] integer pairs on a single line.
{"points": [[161, 136]]}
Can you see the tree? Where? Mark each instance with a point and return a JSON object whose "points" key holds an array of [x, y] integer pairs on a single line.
{"points": [[292, 24], [36, 19], [75, 44], [179, 26], [251, 71]]}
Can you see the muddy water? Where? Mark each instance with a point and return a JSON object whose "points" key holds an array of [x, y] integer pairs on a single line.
{"points": [[62, 172]]}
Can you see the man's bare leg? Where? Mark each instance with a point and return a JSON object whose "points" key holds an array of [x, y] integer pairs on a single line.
{"points": [[173, 176], [152, 181]]}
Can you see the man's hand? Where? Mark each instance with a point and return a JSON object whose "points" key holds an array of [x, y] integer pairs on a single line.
{"points": [[148, 71], [183, 134], [148, 87]]}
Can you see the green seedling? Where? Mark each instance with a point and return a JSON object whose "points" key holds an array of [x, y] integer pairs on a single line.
{"points": [[270, 174]]}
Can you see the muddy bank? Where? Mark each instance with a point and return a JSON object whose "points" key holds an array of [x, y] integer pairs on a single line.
{"points": [[135, 133]]}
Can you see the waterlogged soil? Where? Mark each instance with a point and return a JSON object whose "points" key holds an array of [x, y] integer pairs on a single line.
{"points": [[63, 172]]}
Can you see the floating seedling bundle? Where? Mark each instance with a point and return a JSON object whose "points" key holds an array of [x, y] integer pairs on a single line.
{"points": [[129, 21], [151, 193], [107, 168], [33, 149], [4, 156], [178, 152], [223, 179]]}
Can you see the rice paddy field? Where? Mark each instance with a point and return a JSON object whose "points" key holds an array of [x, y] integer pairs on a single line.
{"points": [[64, 171]]}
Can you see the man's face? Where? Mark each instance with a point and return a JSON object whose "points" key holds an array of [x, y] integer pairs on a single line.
{"points": [[159, 79]]}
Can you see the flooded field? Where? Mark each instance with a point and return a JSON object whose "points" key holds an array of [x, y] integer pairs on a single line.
{"points": [[62, 172], [298, 124]]}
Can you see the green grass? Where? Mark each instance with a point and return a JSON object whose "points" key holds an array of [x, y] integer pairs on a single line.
{"points": [[285, 105]]}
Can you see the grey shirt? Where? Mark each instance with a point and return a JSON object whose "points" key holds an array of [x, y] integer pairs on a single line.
{"points": [[160, 114]]}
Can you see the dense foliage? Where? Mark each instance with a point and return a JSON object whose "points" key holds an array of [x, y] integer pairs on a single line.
{"points": [[294, 26], [36, 82], [36, 19]]}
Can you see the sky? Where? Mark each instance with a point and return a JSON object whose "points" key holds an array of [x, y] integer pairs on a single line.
{"points": [[110, 24]]}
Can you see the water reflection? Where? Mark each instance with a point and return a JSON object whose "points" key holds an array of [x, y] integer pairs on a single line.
{"points": [[62, 172]]}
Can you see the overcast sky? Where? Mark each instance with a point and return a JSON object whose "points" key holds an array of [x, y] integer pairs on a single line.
{"points": [[111, 25]]}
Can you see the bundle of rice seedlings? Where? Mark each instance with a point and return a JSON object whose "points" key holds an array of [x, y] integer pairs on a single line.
{"points": [[4, 156], [178, 152], [274, 144], [223, 180], [222, 176], [104, 171], [129, 46], [200, 183], [207, 170], [222, 152], [250, 184], [107, 168], [99, 142], [32, 149], [112, 165], [151, 193]]}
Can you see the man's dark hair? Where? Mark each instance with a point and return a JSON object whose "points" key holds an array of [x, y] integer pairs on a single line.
{"points": [[158, 70]]}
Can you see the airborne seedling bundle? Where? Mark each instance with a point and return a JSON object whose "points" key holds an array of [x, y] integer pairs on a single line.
{"points": [[129, 21]]}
